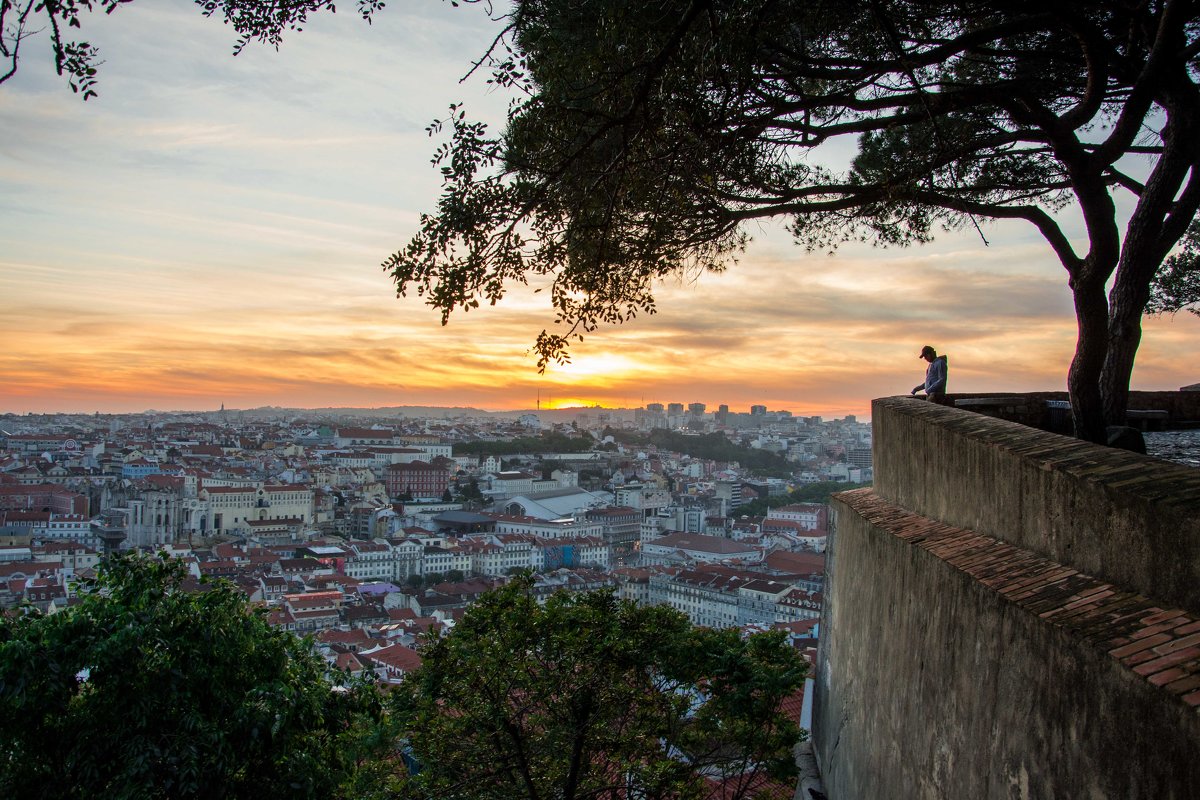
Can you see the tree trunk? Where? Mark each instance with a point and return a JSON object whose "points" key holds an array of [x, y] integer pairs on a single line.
{"points": [[1159, 219], [1083, 380], [1127, 302]]}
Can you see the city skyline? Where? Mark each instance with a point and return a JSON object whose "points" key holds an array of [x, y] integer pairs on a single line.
{"points": [[209, 230]]}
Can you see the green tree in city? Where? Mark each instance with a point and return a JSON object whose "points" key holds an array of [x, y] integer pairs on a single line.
{"points": [[819, 492], [469, 490], [144, 689], [588, 696]]}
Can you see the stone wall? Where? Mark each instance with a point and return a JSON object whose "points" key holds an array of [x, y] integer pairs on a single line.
{"points": [[1033, 409], [1010, 614]]}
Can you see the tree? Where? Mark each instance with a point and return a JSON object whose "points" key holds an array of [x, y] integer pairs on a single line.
{"points": [[646, 136], [1177, 284], [589, 696], [470, 490], [144, 689], [251, 20], [447, 497]]}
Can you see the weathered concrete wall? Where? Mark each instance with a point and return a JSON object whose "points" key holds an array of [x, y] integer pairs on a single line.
{"points": [[1130, 519], [969, 649]]}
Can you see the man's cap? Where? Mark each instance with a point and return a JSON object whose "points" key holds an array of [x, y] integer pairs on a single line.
{"points": [[927, 349]]}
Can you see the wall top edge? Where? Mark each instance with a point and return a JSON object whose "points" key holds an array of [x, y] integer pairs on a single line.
{"points": [[1149, 477]]}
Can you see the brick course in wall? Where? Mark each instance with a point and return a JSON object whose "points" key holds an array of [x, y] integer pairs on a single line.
{"points": [[1129, 519], [1009, 613], [1162, 646]]}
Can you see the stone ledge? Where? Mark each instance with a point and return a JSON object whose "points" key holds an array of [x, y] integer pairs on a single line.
{"points": [[1131, 520], [1158, 645]]}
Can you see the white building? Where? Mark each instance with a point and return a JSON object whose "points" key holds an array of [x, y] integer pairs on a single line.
{"points": [[691, 548], [568, 527]]}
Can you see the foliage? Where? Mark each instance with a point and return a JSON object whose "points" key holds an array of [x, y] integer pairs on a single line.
{"points": [[146, 690], [645, 136], [805, 493], [710, 446], [547, 442], [251, 20], [1177, 284], [819, 492], [589, 696], [469, 490]]}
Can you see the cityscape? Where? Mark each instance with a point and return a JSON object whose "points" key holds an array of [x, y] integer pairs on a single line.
{"points": [[594, 400], [420, 514]]}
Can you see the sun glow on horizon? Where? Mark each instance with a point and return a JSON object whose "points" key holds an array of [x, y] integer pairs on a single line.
{"points": [[559, 404]]}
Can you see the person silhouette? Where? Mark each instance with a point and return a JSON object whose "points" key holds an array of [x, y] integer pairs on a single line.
{"points": [[935, 376]]}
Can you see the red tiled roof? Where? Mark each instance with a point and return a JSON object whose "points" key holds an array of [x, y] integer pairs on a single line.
{"points": [[396, 656]]}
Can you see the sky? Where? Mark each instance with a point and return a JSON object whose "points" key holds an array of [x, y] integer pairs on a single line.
{"points": [[210, 229]]}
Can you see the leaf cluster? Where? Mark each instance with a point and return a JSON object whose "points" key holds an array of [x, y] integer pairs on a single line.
{"points": [[1177, 285], [643, 137], [145, 689], [710, 446], [548, 442], [589, 696], [252, 20], [819, 492]]}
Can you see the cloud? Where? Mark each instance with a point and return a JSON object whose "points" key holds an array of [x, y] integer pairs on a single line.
{"points": [[211, 228]]}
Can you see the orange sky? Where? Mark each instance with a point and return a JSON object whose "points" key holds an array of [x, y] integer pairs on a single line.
{"points": [[209, 230]]}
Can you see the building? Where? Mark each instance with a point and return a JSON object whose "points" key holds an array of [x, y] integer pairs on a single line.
{"points": [[620, 527], [418, 479], [810, 516], [689, 548]]}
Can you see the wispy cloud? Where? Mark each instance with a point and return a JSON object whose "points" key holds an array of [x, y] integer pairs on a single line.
{"points": [[210, 231]]}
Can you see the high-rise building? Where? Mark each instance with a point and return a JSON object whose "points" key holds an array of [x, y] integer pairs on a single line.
{"points": [[696, 409], [655, 408], [758, 411], [674, 409], [860, 457]]}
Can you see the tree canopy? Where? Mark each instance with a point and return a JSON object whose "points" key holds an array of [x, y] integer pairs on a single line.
{"points": [[590, 696], [546, 442], [644, 136], [713, 446], [144, 690], [1176, 286], [819, 492]]}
